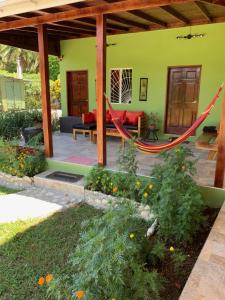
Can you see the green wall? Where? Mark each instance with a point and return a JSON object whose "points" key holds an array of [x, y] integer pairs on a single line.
{"points": [[150, 54]]}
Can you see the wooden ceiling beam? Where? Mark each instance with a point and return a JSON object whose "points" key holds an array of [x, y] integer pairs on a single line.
{"points": [[92, 21], [215, 2], [203, 10], [142, 15], [127, 21], [146, 17], [173, 12], [126, 5], [21, 41]]}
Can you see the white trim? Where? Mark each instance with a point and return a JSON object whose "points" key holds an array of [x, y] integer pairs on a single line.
{"points": [[13, 7]]}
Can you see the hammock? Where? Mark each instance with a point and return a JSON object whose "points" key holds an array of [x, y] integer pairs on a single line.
{"points": [[152, 148]]}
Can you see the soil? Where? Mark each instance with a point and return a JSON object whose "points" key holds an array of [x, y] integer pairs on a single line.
{"points": [[174, 283]]}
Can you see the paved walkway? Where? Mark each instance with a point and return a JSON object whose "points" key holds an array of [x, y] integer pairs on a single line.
{"points": [[34, 202], [207, 279]]}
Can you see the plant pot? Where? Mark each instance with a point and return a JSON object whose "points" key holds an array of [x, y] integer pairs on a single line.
{"points": [[152, 126]]}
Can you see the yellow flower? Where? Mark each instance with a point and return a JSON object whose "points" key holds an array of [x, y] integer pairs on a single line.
{"points": [[41, 281], [80, 294], [150, 186], [138, 183], [115, 189], [49, 278], [172, 249], [183, 168], [132, 235], [113, 298], [145, 194]]}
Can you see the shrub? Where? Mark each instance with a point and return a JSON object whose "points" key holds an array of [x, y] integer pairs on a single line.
{"points": [[176, 200], [19, 161], [12, 123], [108, 262]]}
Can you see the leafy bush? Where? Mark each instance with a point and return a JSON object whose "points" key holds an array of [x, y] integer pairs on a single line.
{"points": [[108, 261], [125, 183], [176, 200], [19, 161], [13, 122]]}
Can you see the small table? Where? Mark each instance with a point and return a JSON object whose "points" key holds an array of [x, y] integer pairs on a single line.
{"points": [[109, 132], [84, 131], [152, 132]]}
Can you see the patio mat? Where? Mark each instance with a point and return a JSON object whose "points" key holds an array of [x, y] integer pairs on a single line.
{"points": [[82, 160]]}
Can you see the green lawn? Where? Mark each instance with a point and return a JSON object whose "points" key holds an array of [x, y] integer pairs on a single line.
{"points": [[5, 191], [34, 248]]}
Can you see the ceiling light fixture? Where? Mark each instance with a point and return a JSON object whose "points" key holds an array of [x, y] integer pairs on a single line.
{"points": [[191, 36]]}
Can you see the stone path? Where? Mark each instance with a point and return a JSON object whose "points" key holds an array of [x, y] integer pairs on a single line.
{"points": [[34, 202], [207, 279]]}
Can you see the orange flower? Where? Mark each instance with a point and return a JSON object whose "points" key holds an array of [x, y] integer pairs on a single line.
{"points": [[49, 278], [41, 281], [115, 189], [79, 294]]}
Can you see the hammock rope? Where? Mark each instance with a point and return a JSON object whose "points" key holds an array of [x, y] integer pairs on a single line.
{"points": [[152, 148]]}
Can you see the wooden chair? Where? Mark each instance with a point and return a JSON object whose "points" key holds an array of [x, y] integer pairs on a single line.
{"points": [[208, 141]]}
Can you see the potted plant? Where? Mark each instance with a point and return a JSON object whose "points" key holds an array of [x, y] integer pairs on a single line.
{"points": [[153, 120]]}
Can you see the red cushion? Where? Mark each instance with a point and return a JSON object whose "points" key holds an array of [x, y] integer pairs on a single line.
{"points": [[108, 116], [88, 118], [132, 117], [121, 114]]}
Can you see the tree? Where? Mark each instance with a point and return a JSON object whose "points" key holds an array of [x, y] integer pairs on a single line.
{"points": [[53, 67], [10, 56]]}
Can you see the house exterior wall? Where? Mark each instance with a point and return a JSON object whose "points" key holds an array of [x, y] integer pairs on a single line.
{"points": [[150, 54]]}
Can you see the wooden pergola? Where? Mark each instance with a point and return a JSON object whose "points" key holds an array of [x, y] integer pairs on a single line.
{"points": [[41, 30]]}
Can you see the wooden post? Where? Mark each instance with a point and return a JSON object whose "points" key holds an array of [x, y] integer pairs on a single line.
{"points": [[45, 89], [100, 88], [220, 162]]}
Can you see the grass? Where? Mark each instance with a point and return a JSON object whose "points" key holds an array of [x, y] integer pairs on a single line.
{"points": [[34, 248], [5, 191]]}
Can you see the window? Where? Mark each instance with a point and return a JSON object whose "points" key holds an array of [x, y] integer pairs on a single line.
{"points": [[121, 85]]}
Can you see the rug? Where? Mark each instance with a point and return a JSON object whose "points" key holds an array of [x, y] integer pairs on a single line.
{"points": [[81, 160]]}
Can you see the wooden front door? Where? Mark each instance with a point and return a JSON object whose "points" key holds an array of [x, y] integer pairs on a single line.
{"points": [[182, 98], [77, 92]]}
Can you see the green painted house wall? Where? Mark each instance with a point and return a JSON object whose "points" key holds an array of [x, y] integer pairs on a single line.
{"points": [[150, 54]]}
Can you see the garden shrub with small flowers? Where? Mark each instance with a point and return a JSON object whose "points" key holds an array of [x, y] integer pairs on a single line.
{"points": [[19, 161], [109, 260]]}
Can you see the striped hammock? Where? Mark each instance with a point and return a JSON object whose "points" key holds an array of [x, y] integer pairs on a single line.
{"points": [[153, 148]]}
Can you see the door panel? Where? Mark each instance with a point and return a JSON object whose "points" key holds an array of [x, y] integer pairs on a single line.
{"points": [[182, 98], [77, 92]]}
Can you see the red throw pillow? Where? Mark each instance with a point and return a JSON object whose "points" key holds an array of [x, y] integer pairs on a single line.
{"points": [[108, 116], [121, 114], [132, 117], [88, 118]]}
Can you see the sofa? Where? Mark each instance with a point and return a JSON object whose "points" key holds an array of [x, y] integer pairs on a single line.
{"points": [[135, 122]]}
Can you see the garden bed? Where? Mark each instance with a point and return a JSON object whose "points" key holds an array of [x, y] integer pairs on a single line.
{"points": [[175, 283]]}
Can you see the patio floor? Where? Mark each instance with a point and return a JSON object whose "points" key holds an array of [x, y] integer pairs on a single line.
{"points": [[83, 151]]}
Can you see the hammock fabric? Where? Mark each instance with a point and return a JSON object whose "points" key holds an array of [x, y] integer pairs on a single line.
{"points": [[152, 148]]}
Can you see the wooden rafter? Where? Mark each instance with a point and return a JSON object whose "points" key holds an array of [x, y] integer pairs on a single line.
{"points": [[127, 22], [146, 17], [110, 8], [173, 12], [216, 2], [203, 10], [142, 15]]}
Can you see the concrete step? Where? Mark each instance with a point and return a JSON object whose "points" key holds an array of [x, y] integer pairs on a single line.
{"points": [[41, 180]]}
